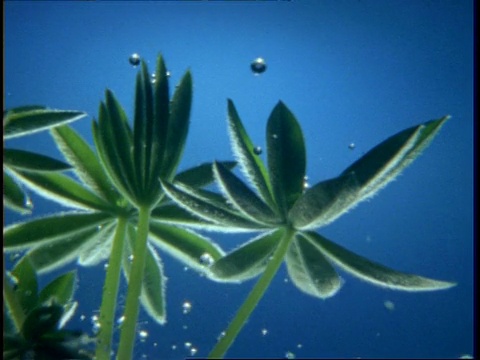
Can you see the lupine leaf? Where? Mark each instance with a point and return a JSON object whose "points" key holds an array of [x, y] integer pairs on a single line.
{"points": [[251, 164], [27, 286], [26, 160], [31, 119], [201, 175], [242, 197], [248, 260], [371, 271], [85, 162], [310, 271], [61, 289], [286, 157], [49, 229], [14, 197]]}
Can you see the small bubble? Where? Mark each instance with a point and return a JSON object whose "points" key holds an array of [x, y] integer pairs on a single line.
{"points": [[99, 227], [105, 266], [264, 332], [206, 259], [306, 185], [153, 78], [274, 136], [184, 327], [143, 334], [257, 150], [258, 66], [82, 317], [131, 257], [174, 347], [120, 320], [285, 280], [193, 351], [168, 73], [187, 345], [351, 146], [389, 305], [95, 324], [134, 59], [29, 203], [186, 307], [222, 334]]}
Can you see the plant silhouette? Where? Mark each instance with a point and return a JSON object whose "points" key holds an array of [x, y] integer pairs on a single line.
{"points": [[286, 212]]}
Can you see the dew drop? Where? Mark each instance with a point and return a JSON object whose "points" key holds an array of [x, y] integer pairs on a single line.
{"points": [[186, 307], [257, 150], [258, 66], [206, 259], [134, 59]]}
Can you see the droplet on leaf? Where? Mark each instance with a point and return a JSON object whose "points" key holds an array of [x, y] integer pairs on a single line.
{"points": [[257, 150]]}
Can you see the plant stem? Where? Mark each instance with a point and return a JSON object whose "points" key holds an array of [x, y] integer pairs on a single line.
{"points": [[127, 336], [253, 298], [110, 292]]}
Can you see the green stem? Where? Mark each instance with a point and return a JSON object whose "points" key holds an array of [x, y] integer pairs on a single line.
{"points": [[110, 292], [127, 336], [253, 298]]}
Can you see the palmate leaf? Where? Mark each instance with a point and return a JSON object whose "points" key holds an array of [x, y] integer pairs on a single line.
{"points": [[371, 271], [30, 119], [371, 173]]}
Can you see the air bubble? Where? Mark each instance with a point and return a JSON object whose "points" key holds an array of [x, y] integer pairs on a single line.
{"points": [[134, 59], [187, 345], [351, 146], [206, 259], [289, 355], [143, 334], [264, 332], [257, 150], [258, 66], [120, 320], [389, 305], [186, 307], [193, 351]]}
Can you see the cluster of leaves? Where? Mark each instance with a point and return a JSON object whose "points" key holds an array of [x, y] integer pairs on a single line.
{"points": [[33, 328], [129, 200]]}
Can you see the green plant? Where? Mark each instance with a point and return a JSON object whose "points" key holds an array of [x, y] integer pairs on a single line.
{"points": [[34, 321], [122, 204], [23, 121], [286, 212]]}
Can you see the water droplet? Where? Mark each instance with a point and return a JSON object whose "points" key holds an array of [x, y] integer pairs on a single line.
{"points": [[95, 324], [258, 66], [168, 73], [257, 150], [206, 259], [264, 332], [193, 351], [131, 257], [289, 355], [28, 203], [187, 345], [120, 320], [306, 185], [134, 59], [222, 334], [143, 334], [186, 307], [351, 146]]}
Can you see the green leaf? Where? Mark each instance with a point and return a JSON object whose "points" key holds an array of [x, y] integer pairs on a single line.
{"points": [[26, 160], [178, 124], [207, 210], [201, 175], [64, 190], [385, 161], [27, 286], [60, 290], [310, 271], [41, 320], [86, 163], [324, 202], [143, 133], [286, 157], [99, 248], [251, 164], [371, 271], [49, 229], [184, 245], [175, 215], [14, 197], [248, 260], [242, 197], [51, 256], [31, 119]]}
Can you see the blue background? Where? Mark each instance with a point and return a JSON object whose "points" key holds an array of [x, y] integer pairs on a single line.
{"points": [[351, 71]]}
